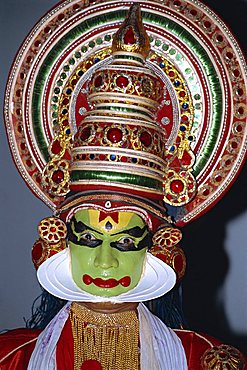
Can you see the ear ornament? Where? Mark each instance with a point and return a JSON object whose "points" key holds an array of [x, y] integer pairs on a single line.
{"points": [[52, 232], [165, 247]]}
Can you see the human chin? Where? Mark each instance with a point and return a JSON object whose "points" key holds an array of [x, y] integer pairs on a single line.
{"points": [[106, 282]]}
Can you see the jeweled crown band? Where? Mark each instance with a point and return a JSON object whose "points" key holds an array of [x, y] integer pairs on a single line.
{"points": [[155, 211]]}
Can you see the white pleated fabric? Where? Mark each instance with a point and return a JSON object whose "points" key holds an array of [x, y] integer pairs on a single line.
{"points": [[44, 353], [161, 349]]}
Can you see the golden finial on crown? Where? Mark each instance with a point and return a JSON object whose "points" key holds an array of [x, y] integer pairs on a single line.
{"points": [[131, 36]]}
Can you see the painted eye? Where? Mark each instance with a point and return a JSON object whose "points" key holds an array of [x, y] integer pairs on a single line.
{"points": [[87, 236], [126, 241]]}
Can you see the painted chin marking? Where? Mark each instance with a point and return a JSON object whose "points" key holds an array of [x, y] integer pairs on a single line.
{"points": [[109, 283]]}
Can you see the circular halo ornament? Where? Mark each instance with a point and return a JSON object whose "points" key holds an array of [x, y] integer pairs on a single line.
{"points": [[203, 117]]}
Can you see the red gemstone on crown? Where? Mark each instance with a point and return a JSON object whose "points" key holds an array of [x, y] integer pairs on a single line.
{"points": [[207, 24], [129, 37], [67, 155], [56, 147], [186, 159], [240, 92], [114, 135], [85, 133], [65, 101], [229, 55], [177, 186], [29, 163], [234, 145], [236, 73], [146, 138], [218, 178], [58, 176], [98, 81], [122, 81]]}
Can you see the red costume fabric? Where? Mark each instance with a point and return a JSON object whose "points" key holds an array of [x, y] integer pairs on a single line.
{"points": [[16, 347]]}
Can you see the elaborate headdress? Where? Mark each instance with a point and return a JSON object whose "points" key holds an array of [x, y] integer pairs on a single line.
{"points": [[128, 117]]}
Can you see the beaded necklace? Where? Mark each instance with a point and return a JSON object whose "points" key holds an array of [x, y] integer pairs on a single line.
{"points": [[110, 339]]}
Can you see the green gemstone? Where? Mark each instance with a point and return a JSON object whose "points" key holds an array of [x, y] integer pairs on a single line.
{"points": [[165, 47], [84, 49], [59, 82], [107, 37], [172, 51], [151, 39], [54, 115], [56, 90], [99, 41], [55, 99], [63, 75], [188, 71], [91, 44], [157, 42], [178, 56], [54, 107], [198, 106], [66, 68], [72, 61], [77, 54], [54, 122], [197, 97]]}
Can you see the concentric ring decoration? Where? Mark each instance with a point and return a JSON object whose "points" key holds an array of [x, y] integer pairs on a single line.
{"points": [[190, 46]]}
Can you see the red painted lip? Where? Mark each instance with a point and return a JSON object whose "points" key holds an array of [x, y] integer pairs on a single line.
{"points": [[108, 283]]}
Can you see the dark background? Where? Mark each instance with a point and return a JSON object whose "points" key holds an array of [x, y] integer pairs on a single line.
{"points": [[205, 239], [215, 285]]}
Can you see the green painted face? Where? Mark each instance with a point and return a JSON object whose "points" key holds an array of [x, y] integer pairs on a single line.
{"points": [[107, 251]]}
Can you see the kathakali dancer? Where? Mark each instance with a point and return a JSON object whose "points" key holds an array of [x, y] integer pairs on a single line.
{"points": [[128, 121]]}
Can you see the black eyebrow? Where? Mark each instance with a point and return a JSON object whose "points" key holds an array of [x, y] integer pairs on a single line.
{"points": [[134, 231], [143, 243], [80, 226]]}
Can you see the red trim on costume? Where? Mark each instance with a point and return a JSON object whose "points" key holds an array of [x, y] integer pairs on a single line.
{"points": [[16, 347]]}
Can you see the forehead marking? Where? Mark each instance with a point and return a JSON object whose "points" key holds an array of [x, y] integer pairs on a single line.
{"points": [[87, 206], [113, 215]]}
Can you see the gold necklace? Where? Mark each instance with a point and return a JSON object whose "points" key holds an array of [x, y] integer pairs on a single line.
{"points": [[110, 339]]}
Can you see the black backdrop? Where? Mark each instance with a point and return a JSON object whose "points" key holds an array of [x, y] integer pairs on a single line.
{"points": [[204, 239]]}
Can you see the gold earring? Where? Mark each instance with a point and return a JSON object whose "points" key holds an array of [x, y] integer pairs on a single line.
{"points": [[165, 247], [52, 232]]}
